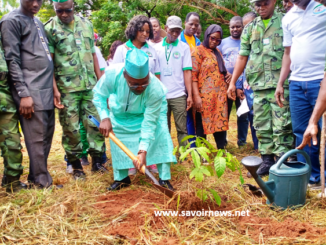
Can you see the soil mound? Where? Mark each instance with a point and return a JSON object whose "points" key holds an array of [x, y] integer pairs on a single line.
{"points": [[190, 202], [289, 228], [127, 209]]}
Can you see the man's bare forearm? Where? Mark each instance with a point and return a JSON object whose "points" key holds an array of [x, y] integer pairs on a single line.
{"points": [[320, 106], [188, 81], [96, 67], [286, 64]]}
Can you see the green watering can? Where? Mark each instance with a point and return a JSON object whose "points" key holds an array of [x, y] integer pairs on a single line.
{"points": [[287, 183]]}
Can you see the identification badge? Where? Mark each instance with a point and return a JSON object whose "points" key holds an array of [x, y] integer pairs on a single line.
{"points": [[167, 71], [266, 41], [78, 41]]}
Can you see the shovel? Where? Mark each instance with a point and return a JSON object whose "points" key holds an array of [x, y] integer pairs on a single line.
{"points": [[143, 169]]}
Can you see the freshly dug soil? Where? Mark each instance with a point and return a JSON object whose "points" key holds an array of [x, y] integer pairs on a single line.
{"points": [[131, 206], [190, 202], [289, 228], [129, 210]]}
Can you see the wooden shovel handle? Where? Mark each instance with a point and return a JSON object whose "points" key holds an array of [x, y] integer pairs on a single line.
{"points": [[126, 150]]}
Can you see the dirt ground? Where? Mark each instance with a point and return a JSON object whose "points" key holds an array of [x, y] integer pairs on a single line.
{"points": [[86, 213]]}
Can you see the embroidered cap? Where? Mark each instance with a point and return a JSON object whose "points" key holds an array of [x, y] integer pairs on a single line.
{"points": [[136, 63]]}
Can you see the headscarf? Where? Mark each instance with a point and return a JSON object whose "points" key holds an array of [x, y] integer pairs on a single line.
{"points": [[210, 30]]}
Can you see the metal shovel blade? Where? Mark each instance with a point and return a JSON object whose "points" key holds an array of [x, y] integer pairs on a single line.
{"points": [[156, 184], [165, 191]]}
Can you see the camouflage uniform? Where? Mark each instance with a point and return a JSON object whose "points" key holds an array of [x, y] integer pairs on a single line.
{"points": [[75, 77], [9, 133], [265, 47]]}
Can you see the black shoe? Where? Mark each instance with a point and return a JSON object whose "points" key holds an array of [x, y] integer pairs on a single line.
{"points": [[293, 158], [79, 174], [4, 181], [97, 165], [14, 185], [268, 162], [166, 184], [76, 165], [84, 161], [117, 185]]}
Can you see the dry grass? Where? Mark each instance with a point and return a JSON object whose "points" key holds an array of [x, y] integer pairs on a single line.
{"points": [[68, 216]]}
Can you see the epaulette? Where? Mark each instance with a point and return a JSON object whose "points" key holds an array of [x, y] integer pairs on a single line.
{"points": [[48, 21]]}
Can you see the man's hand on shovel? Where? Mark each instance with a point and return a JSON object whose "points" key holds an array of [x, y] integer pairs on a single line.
{"points": [[140, 161], [106, 127]]}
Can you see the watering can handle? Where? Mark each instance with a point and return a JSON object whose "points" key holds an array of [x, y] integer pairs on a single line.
{"points": [[290, 153]]}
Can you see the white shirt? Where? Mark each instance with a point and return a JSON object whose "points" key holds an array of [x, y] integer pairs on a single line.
{"points": [[101, 61], [179, 59], [305, 32], [121, 52], [155, 45]]}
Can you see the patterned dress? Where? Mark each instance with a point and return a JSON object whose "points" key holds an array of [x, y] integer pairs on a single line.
{"points": [[212, 89]]}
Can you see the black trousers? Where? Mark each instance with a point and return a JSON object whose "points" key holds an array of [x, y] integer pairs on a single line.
{"points": [[220, 137], [38, 133]]}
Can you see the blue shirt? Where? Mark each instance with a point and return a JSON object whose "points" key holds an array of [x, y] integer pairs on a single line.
{"points": [[230, 48]]}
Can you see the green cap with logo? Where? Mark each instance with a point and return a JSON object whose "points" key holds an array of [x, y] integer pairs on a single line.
{"points": [[59, 1], [136, 63]]}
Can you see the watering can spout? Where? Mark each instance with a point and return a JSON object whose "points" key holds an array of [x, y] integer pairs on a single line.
{"points": [[252, 164]]}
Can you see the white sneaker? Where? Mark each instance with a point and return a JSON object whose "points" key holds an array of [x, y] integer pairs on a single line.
{"points": [[132, 171], [319, 195], [69, 169], [315, 186]]}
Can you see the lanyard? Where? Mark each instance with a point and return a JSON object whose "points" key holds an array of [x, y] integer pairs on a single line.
{"points": [[166, 54], [42, 39]]}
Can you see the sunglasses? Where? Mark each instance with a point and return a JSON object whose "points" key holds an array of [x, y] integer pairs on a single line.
{"points": [[60, 11], [137, 86], [215, 39], [134, 86]]}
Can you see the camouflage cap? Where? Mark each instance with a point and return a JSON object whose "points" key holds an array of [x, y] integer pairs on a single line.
{"points": [[59, 1]]}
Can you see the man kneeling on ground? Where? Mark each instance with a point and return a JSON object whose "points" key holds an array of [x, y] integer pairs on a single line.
{"points": [[136, 114]]}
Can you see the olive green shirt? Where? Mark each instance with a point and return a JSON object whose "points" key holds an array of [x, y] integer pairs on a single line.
{"points": [[72, 49], [265, 48], [6, 101], [3, 70]]}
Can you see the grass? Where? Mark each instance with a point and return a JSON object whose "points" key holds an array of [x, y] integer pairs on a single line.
{"points": [[70, 216]]}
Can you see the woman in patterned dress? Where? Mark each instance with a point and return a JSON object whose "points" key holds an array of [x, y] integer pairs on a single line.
{"points": [[210, 85]]}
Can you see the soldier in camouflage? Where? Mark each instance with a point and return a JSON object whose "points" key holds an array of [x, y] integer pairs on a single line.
{"points": [[9, 133], [262, 40], [77, 70]]}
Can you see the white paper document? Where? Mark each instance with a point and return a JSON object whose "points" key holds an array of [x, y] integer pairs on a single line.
{"points": [[243, 107]]}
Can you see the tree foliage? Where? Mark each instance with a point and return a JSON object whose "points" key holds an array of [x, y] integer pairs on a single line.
{"points": [[113, 16], [110, 17]]}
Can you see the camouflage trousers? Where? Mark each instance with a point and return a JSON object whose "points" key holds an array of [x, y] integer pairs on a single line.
{"points": [[77, 107], [272, 123], [9, 135]]}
